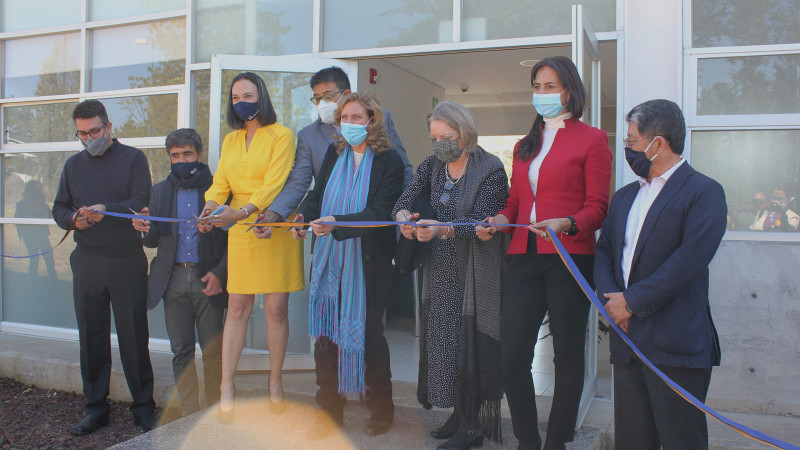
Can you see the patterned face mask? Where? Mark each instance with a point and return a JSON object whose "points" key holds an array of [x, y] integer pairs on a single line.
{"points": [[446, 151]]}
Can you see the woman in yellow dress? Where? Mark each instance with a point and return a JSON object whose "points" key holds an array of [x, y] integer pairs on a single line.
{"points": [[254, 163]]}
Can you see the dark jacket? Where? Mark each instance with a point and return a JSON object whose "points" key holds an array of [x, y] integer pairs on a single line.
{"points": [[668, 282], [377, 243], [212, 252]]}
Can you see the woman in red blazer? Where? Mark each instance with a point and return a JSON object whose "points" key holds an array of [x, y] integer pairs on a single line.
{"points": [[561, 180]]}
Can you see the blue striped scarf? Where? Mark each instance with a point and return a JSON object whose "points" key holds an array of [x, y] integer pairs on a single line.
{"points": [[337, 270]]}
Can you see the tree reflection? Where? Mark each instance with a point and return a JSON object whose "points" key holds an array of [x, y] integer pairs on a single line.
{"points": [[749, 85], [745, 22]]}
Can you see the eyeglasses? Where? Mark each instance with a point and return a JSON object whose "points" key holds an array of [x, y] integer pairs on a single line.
{"points": [[93, 133], [327, 96], [629, 142]]}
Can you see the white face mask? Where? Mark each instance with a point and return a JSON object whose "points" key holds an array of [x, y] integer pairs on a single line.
{"points": [[325, 109]]}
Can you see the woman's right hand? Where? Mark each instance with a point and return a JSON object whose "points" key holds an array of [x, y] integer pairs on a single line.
{"points": [[408, 231], [485, 232], [297, 233]]}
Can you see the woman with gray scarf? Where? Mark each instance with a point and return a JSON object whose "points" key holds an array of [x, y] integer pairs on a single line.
{"points": [[461, 291]]}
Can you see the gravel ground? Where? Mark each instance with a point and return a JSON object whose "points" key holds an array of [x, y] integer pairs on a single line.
{"points": [[31, 417]]}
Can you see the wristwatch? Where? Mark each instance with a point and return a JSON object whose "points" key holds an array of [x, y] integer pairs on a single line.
{"points": [[628, 308], [573, 230]]}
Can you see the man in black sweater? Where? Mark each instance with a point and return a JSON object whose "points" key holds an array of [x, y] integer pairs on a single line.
{"points": [[108, 264]]}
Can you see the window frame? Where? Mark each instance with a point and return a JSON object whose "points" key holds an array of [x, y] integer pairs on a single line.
{"points": [[732, 122]]}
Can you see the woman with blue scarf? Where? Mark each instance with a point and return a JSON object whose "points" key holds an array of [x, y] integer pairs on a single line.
{"points": [[360, 179]]}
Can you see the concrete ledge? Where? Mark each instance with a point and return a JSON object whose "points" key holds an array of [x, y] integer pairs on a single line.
{"points": [[54, 364]]}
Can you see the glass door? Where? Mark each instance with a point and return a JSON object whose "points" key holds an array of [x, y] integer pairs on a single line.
{"points": [[586, 56], [287, 80]]}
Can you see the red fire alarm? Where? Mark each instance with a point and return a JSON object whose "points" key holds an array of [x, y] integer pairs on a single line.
{"points": [[373, 76]]}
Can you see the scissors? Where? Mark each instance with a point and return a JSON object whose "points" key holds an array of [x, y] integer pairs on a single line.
{"points": [[141, 233]]}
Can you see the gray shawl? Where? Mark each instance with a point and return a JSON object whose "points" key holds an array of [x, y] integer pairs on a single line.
{"points": [[480, 274]]}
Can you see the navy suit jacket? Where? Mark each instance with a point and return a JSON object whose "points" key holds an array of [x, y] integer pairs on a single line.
{"points": [[668, 282], [215, 261]]}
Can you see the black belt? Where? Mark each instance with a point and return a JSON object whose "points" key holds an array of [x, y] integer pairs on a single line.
{"points": [[187, 264]]}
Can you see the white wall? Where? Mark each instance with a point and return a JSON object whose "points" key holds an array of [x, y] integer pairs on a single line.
{"points": [[652, 64], [408, 98]]}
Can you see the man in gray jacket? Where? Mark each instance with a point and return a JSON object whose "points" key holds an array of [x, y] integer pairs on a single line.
{"points": [[329, 86], [189, 271]]}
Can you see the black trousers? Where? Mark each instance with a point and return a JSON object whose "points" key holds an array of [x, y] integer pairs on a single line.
{"points": [[186, 307], [377, 375], [119, 282], [650, 415], [535, 285]]}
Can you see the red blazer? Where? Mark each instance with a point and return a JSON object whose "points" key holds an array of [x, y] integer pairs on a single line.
{"points": [[574, 180]]}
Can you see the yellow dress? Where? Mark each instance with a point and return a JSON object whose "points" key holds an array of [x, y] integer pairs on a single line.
{"points": [[257, 176]]}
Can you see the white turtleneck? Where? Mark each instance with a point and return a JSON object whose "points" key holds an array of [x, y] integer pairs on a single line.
{"points": [[551, 127]]}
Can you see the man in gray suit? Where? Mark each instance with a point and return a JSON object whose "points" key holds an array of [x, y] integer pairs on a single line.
{"points": [[329, 86], [189, 271]]}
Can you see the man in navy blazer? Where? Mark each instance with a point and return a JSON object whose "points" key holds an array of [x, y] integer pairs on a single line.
{"points": [[651, 267], [329, 85]]}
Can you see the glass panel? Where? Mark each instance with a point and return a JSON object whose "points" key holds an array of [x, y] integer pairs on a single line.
{"points": [[37, 290], [388, 25], [149, 115], [47, 65], [502, 19], [30, 183], [717, 23], [51, 122], [111, 9], [201, 92], [159, 163], [736, 159], [16, 14], [749, 85], [138, 56], [289, 93], [248, 27]]}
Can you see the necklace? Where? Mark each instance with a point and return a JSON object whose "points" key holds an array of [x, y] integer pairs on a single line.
{"points": [[449, 184], [451, 180]]}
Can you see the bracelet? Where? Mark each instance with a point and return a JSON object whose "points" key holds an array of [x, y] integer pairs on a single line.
{"points": [[449, 231], [246, 212]]}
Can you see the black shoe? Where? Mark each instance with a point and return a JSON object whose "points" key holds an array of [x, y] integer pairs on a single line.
{"points": [[463, 440], [147, 421], [449, 428], [377, 425], [90, 424]]}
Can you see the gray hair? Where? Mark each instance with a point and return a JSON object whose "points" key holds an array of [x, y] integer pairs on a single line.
{"points": [[459, 118], [660, 118]]}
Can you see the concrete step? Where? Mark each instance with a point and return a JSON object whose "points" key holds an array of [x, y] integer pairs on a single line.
{"points": [[54, 364]]}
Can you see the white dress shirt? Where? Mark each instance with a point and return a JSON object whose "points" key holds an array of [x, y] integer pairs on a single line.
{"points": [[641, 205], [551, 127]]}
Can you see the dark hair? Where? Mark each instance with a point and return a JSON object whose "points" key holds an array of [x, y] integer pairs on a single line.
{"points": [[331, 74], [266, 115], [530, 145], [377, 136], [660, 118], [182, 137], [88, 109]]}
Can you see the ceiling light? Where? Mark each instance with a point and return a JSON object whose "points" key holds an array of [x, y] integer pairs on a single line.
{"points": [[529, 62]]}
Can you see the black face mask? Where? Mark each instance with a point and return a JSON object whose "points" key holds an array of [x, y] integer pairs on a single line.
{"points": [[186, 170], [639, 162]]}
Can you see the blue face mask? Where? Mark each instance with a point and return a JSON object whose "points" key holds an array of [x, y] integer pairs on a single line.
{"points": [[186, 170], [246, 111], [354, 133], [548, 105]]}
